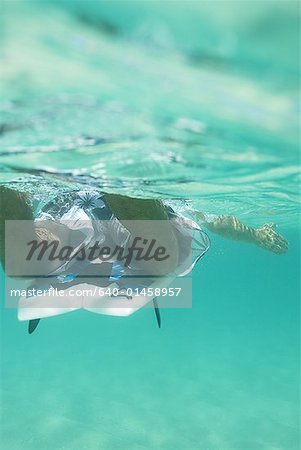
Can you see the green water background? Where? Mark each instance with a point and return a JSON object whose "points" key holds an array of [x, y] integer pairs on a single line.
{"points": [[166, 100], [222, 375]]}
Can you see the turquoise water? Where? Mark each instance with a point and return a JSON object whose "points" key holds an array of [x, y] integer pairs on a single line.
{"points": [[168, 100]]}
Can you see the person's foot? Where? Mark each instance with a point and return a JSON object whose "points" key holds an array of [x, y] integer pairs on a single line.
{"points": [[269, 239]]}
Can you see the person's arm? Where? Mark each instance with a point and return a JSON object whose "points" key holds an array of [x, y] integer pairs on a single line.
{"points": [[139, 216], [230, 227]]}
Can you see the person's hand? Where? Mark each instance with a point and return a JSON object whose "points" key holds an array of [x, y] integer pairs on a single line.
{"points": [[269, 239]]}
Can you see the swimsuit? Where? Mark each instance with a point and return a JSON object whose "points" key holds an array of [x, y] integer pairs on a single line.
{"points": [[89, 219]]}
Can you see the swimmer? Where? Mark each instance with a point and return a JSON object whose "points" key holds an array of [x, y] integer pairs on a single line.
{"points": [[72, 217]]}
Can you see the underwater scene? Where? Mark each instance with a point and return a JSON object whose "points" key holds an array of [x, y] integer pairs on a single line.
{"points": [[184, 113]]}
